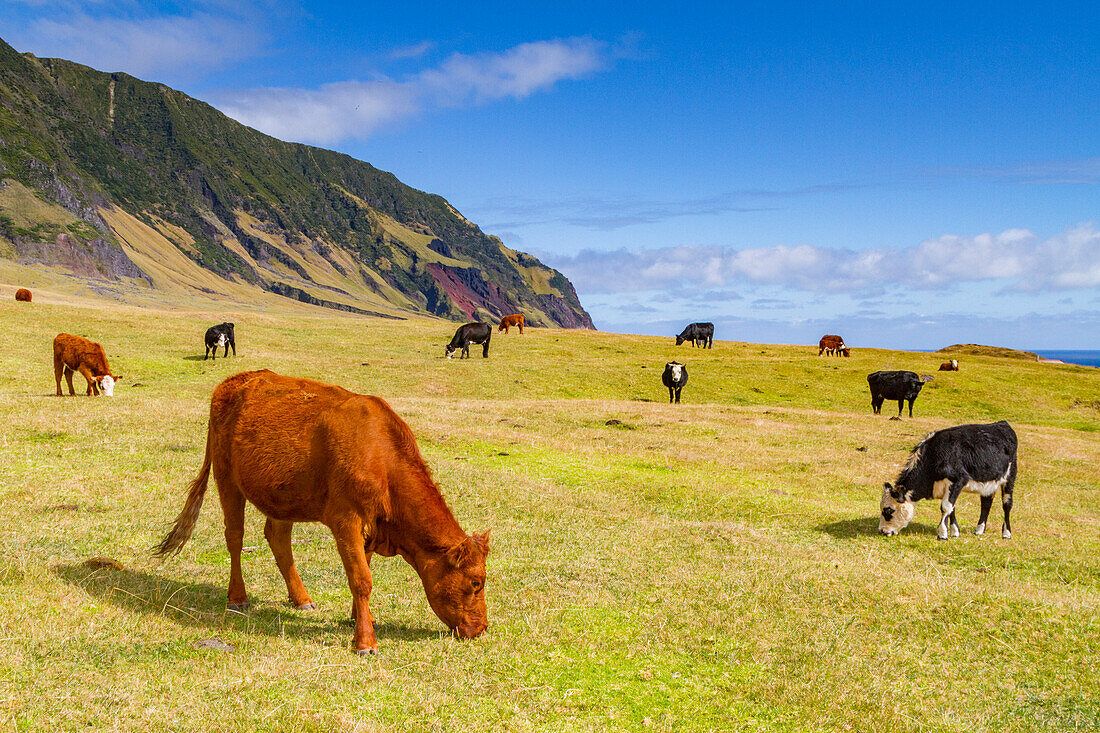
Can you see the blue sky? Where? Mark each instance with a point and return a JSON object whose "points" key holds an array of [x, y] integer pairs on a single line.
{"points": [[905, 176]]}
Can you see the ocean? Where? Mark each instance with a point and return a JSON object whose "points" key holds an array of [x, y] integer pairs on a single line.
{"points": [[1084, 358]]}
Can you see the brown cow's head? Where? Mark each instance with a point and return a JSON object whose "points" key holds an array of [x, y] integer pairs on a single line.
{"points": [[896, 510], [106, 384], [455, 585]]}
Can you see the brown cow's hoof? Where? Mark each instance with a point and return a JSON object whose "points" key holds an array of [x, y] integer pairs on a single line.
{"points": [[307, 607], [366, 652], [238, 607]]}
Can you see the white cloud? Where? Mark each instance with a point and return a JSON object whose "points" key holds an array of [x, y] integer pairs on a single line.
{"points": [[414, 51], [126, 37], [1017, 258], [355, 109]]}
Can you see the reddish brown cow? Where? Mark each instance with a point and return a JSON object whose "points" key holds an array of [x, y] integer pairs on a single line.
{"points": [[78, 354], [950, 366], [832, 345], [305, 451], [516, 319], [23, 294]]}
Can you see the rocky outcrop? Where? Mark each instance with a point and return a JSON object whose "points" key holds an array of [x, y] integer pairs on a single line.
{"points": [[99, 258]]}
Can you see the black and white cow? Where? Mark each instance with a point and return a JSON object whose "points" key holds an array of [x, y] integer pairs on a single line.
{"points": [[471, 333], [977, 458], [894, 385], [674, 377], [699, 334], [219, 335]]}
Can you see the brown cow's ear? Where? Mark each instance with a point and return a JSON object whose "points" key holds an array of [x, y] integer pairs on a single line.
{"points": [[458, 553], [483, 540]]}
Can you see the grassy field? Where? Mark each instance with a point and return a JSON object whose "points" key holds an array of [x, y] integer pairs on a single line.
{"points": [[707, 566]]}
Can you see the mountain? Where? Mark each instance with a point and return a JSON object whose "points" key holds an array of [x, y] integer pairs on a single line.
{"points": [[107, 176]]}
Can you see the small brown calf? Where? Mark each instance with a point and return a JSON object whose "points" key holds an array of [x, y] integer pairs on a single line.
{"points": [[23, 294], [78, 354], [516, 319], [950, 366]]}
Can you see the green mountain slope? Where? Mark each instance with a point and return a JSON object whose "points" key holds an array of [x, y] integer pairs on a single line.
{"points": [[109, 176]]}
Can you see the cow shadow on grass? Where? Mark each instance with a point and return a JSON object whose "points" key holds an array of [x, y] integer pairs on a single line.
{"points": [[202, 606], [847, 529]]}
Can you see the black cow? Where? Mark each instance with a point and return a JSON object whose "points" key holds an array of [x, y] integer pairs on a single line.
{"points": [[675, 377], [977, 458], [899, 385], [219, 335], [699, 334], [471, 333]]}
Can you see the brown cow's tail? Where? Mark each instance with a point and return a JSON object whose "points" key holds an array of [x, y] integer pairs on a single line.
{"points": [[185, 522]]}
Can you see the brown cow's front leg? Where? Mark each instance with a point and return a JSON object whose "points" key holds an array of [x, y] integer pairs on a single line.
{"points": [[278, 538], [233, 510], [348, 531], [93, 390], [354, 613]]}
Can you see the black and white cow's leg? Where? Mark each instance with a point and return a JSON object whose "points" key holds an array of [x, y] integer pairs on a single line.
{"points": [[954, 524], [987, 502], [910, 409], [671, 392], [901, 404], [947, 506], [1006, 502], [678, 395]]}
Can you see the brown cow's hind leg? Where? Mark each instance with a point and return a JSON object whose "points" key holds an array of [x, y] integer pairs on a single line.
{"points": [[58, 369], [69, 380], [278, 537], [348, 531], [233, 511]]}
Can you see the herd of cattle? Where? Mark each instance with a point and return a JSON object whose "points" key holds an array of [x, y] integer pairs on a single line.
{"points": [[305, 451]]}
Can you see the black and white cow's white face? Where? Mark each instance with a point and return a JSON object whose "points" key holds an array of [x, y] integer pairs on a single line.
{"points": [[677, 370], [896, 513]]}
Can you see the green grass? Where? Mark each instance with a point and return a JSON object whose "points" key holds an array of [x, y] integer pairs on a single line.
{"points": [[707, 566]]}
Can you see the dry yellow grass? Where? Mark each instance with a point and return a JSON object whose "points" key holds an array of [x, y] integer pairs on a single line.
{"points": [[707, 566]]}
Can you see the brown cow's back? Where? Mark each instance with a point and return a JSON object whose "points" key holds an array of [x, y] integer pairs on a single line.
{"points": [[285, 439]]}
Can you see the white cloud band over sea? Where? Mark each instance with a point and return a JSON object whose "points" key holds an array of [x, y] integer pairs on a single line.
{"points": [[1017, 258]]}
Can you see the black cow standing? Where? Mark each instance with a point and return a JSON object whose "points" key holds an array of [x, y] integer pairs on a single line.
{"points": [[894, 385], [471, 333], [699, 334], [976, 458], [674, 377], [219, 335]]}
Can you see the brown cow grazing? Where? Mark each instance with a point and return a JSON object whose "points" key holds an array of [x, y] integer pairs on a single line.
{"points": [[516, 319], [305, 451], [832, 345], [23, 294], [950, 366], [77, 354]]}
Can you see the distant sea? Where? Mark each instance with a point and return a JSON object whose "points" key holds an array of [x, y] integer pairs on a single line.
{"points": [[1084, 358]]}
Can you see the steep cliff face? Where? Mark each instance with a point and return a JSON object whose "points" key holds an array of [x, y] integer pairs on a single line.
{"points": [[111, 176]]}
